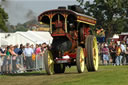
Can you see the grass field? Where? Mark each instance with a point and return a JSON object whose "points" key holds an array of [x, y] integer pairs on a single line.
{"points": [[106, 75]]}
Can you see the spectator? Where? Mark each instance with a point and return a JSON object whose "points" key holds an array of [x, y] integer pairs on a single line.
{"points": [[105, 54], [20, 52], [18, 59], [101, 52], [118, 56], [38, 57], [1, 50], [44, 46], [1, 62], [33, 56], [113, 54], [110, 48], [14, 56], [28, 56], [37, 50], [8, 67], [32, 46], [126, 52], [123, 49], [16, 49], [127, 42]]}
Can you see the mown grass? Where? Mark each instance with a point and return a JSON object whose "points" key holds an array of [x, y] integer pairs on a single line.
{"points": [[106, 75]]}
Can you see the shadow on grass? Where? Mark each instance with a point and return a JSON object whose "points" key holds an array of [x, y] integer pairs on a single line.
{"points": [[28, 74], [39, 74], [72, 73]]}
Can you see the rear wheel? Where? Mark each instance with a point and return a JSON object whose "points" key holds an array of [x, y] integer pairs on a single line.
{"points": [[59, 68], [80, 60], [92, 53], [48, 62]]}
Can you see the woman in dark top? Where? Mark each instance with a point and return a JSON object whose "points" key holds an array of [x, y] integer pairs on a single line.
{"points": [[113, 54]]}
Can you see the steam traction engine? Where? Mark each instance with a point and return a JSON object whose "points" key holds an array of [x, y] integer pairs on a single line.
{"points": [[72, 43]]}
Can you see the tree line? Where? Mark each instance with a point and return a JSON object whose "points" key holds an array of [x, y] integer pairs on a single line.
{"points": [[5, 26], [3, 19], [111, 15]]}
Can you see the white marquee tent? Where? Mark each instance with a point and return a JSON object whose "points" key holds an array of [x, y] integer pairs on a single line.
{"points": [[115, 36], [32, 37]]}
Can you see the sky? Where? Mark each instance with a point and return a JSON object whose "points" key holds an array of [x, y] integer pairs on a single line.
{"points": [[20, 11]]}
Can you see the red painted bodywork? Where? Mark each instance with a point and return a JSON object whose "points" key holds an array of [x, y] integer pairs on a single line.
{"points": [[59, 29], [54, 35], [72, 55]]}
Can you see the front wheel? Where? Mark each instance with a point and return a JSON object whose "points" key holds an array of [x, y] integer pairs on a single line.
{"points": [[92, 53], [48, 62], [80, 60], [59, 68]]}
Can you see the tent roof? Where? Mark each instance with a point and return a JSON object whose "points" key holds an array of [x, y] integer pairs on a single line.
{"points": [[4, 42], [115, 36], [124, 33], [37, 36]]}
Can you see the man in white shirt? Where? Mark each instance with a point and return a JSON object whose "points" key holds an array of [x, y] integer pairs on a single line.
{"points": [[123, 48], [28, 56]]}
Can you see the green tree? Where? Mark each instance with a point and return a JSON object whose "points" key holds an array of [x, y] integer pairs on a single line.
{"points": [[20, 27], [3, 19], [111, 15]]}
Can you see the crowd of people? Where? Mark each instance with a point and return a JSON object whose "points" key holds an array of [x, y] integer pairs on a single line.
{"points": [[15, 58], [114, 53], [24, 57]]}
